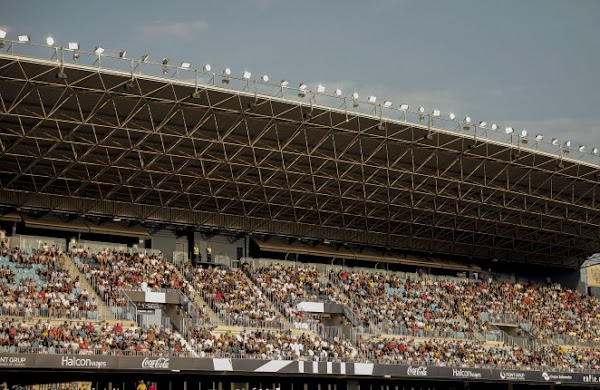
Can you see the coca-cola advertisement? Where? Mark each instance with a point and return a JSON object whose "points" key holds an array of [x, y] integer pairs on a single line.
{"points": [[156, 363], [416, 371]]}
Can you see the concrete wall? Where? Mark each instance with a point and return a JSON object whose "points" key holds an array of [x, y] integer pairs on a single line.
{"points": [[164, 241], [221, 246]]}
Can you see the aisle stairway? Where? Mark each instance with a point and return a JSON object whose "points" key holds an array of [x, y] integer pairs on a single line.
{"points": [[103, 310], [271, 306]]}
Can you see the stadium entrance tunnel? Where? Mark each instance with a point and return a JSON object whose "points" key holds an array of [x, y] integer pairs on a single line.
{"points": [[95, 380]]}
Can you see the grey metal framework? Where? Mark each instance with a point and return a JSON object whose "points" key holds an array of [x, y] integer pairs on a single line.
{"points": [[150, 151]]}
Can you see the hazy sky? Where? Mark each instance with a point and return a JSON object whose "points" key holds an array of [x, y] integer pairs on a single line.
{"points": [[531, 64]]}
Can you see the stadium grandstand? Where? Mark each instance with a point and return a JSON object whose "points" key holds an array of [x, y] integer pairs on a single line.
{"points": [[196, 230]]}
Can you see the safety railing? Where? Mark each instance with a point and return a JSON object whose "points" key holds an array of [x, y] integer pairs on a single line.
{"points": [[70, 313]]}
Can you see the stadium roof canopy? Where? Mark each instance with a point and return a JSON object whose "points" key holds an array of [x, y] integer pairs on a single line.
{"points": [[84, 140]]}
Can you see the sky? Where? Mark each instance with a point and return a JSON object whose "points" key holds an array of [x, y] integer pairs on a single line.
{"points": [[531, 64]]}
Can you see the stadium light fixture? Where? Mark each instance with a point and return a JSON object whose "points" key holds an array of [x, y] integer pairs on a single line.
{"points": [[2, 34], [99, 50], [581, 148], [226, 74], [539, 137], [320, 88], [482, 124], [467, 119], [264, 78], [494, 126], [284, 83], [144, 57], [595, 151], [355, 95], [24, 38], [567, 144], [246, 75], [436, 113], [338, 92], [122, 53], [165, 61], [372, 99], [73, 46], [404, 107], [207, 68], [75, 55], [387, 104], [302, 90], [451, 116], [555, 141], [509, 130], [186, 65], [421, 110], [50, 41], [523, 133]]}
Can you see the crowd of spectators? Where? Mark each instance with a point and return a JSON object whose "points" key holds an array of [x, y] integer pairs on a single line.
{"points": [[437, 317], [111, 270], [35, 283], [472, 353], [398, 305], [549, 311], [233, 297], [87, 338], [265, 344], [289, 286]]}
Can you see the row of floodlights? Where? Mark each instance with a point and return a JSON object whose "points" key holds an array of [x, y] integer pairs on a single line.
{"points": [[303, 89]]}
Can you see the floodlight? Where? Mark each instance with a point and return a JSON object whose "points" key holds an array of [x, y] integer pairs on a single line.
{"points": [[355, 95], [509, 130], [387, 104], [24, 38], [436, 113], [320, 88], [73, 45], [122, 53], [226, 74], [595, 151], [50, 41], [451, 116], [284, 83], [421, 110], [99, 50], [145, 57], [302, 90], [404, 107], [581, 148], [165, 61], [482, 123], [467, 119], [539, 137], [567, 143], [371, 99], [75, 55], [554, 141], [523, 133], [207, 68], [338, 92], [186, 65], [2, 34], [165, 69], [494, 126], [246, 75]]}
